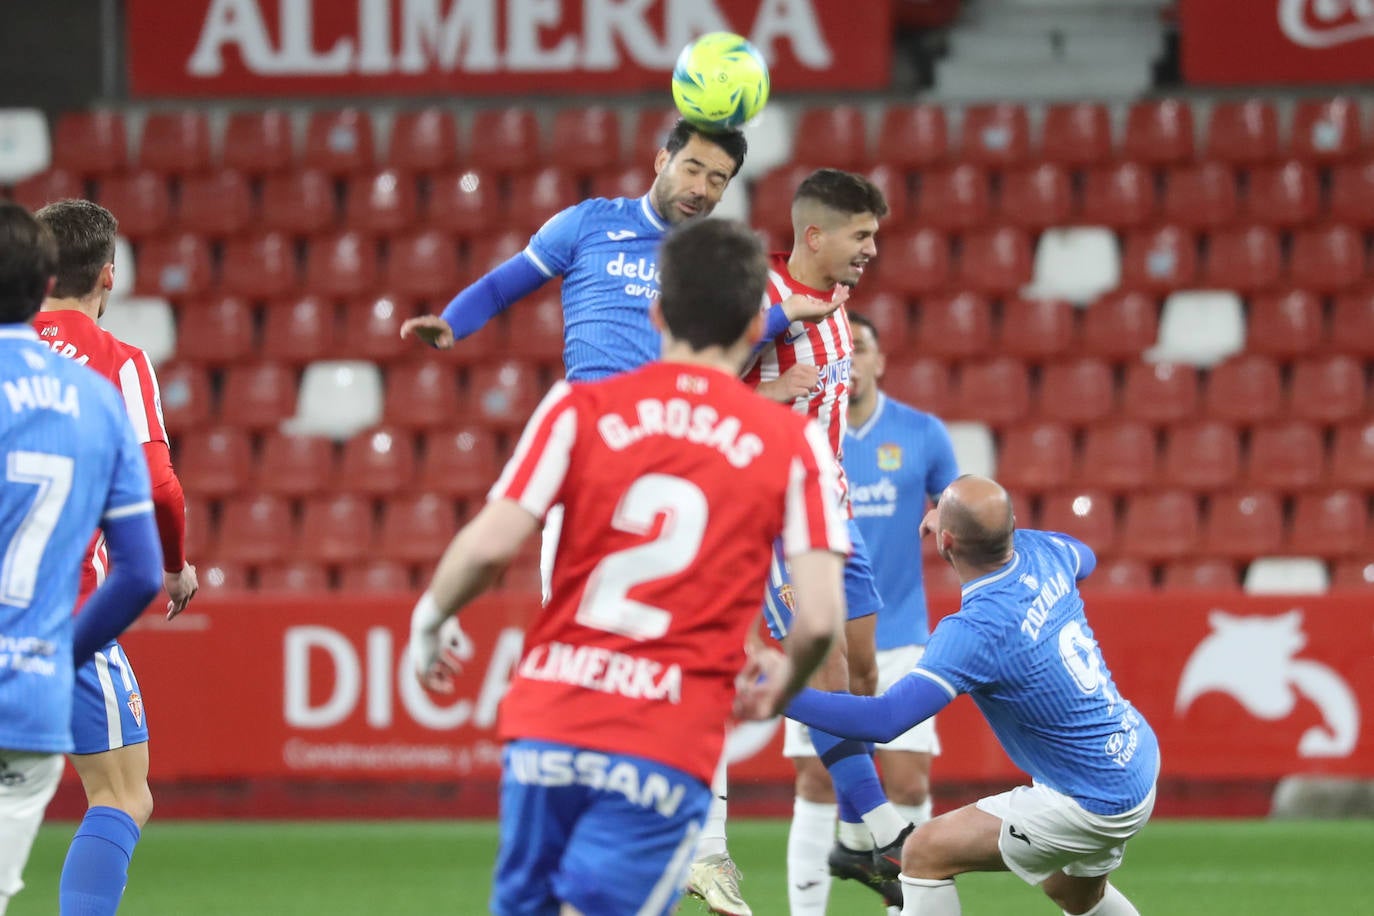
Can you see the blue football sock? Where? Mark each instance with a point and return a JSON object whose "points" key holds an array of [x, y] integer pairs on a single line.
{"points": [[97, 866], [857, 788]]}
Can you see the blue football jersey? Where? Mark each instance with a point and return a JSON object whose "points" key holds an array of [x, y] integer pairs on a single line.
{"points": [[1021, 646], [894, 461], [70, 459], [607, 253]]}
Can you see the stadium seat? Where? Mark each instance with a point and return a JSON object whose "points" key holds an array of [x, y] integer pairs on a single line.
{"points": [[217, 332], [294, 577], [1037, 330], [1159, 393], [1244, 132], [217, 204], [125, 270], [338, 142], [1201, 574], [465, 203], [995, 261], [294, 466], [1352, 318], [1159, 132], [891, 316], [651, 131], [772, 197], [1284, 325], [1200, 328], [1351, 199], [90, 143], [200, 528], [1119, 196], [458, 462], [375, 577], [1161, 525], [336, 529], [1078, 391], [1200, 455], [1076, 134], [139, 200], [1120, 574], [1242, 525], [24, 147], [1035, 457], [1326, 130], [1352, 575], [956, 198], [1328, 390], [144, 321], [1086, 514], [1119, 326], [174, 266], [417, 528], [259, 529], [1247, 388], [215, 463], [422, 394], [342, 264], [939, 578], [1282, 195], [504, 394], [631, 180], [258, 142], [426, 265], [1159, 260], [834, 134], [1327, 259], [300, 330], [45, 187], [382, 201], [1245, 259], [1352, 455], [536, 331], [995, 135], [921, 382], [1286, 576], [494, 249], [187, 400], [536, 196], [924, 259], [299, 202], [975, 452], [175, 142], [1036, 197], [259, 266], [1200, 195], [913, 136], [1333, 524], [257, 396], [994, 391], [585, 140], [892, 182], [1119, 456], [505, 140], [377, 462], [423, 141], [220, 578], [1285, 456], [338, 398], [955, 326]]}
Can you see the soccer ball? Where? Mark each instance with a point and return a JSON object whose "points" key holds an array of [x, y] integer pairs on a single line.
{"points": [[720, 81]]}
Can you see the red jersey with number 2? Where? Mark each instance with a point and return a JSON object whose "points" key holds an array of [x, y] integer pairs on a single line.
{"points": [[675, 482]]}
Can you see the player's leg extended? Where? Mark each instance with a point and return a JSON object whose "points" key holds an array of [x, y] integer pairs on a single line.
{"points": [[960, 841], [110, 731], [714, 876], [27, 783], [812, 831]]}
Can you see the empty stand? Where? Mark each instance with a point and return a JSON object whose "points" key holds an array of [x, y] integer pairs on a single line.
{"points": [[459, 462], [219, 203], [173, 266], [1242, 525], [1077, 134], [994, 391], [975, 452], [377, 462], [505, 140], [371, 328], [1161, 525], [1036, 329], [258, 396], [146, 322], [417, 528], [139, 200], [1121, 196], [293, 465], [422, 394], [24, 147], [1124, 574], [1086, 514], [300, 330], [833, 134], [772, 193], [1352, 321], [1287, 194], [425, 265], [1036, 196], [465, 203], [913, 136], [1285, 456], [217, 332], [631, 180], [1351, 199], [91, 142], [1200, 195], [338, 142], [1159, 260], [1244, 389], [1199, 328], [504, 394], [1159, 132], [338, 398], [924, 259], [1119, 456], [1120, 326], [954, 327], [995, 261], [259, 529], [126, 272], [538, 195], [1326, 130], [1036, 456], [1328, 389], [921, 382], [298, 576], [45, 187], [1347, 575], [215, 463], [299, 202], [200, 528], [175, 142], [891, 318], [1246, 259], [342, 264], [219, 578], [1244, 132], [892, 182], [1159, 392], [1352, 455], [1079, 391], [187, 399], [1201, 455], [955, 198], [336, 529], [1286, 576], [383, 201], [995, 135], [1327, 259], [423, 141], [375, 577], [1202, 574], [259, 266], [258, 142], [1333, 524], [1285, 324], [651, 132]]}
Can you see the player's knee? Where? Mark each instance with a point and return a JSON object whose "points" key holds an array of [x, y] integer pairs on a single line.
{"points": [[913, 790], [136, 801], [1074, 895], [923, 853], [813, 782]]}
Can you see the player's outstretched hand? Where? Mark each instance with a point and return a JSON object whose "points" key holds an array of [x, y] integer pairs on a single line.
{"points": [[792, 384], [437, 652], [760, 686], [800, 307], [181, 588], [430, 329]]}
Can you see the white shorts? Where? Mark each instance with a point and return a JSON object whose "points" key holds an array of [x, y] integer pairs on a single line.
{"points": [[28, 782], [1044, 831], [893, 665], [548, 549]]}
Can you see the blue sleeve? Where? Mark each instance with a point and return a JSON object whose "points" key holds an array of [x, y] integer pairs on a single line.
{"points": [[944, 467], [134, 579], [493, 293], [775, 324], [882, 718], [961, 654], [554, 247], [1084, 558]]}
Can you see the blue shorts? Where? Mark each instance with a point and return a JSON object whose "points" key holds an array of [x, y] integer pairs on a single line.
{"points": [[107, 706], [860, 593], [609, 834]]}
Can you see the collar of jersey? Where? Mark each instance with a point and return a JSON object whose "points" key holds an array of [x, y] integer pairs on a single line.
{"points": [[17, 332], [650, 215], [860, 431], [998, 575]]}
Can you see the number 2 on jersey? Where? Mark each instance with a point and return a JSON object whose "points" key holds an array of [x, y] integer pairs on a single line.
{"points": [[52, 475], [606, 604]]}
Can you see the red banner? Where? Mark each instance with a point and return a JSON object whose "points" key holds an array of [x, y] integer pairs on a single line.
{"points": [[1268, 42], [1235, 688], [496, 47]]}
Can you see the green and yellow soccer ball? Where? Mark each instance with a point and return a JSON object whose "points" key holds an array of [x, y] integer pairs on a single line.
{"points": [[720, 81]]}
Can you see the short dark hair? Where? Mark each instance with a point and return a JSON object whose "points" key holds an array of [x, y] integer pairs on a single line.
{"points": [[863, 322], [85, 234], [843, 192], [712, 274], [731, 141], [28, 259]]}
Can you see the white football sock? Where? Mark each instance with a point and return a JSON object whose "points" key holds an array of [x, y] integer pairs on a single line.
{"points": [[925, 897], [712, 841], [855, 836], [886, 822], [914, 814], [808, 846], [1113, 903]]}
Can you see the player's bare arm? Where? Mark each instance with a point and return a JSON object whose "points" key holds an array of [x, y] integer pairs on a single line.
{"points": [[181, 586], [429, 329], [796, 382]]}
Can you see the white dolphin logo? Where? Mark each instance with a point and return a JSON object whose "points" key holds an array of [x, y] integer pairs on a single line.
{"points": [[1294, 20]]}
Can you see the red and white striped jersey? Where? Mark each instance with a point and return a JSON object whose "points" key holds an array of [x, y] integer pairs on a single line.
{"points": [[675, 482]]}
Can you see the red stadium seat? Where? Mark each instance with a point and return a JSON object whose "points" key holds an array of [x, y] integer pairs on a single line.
{"points": [[994, 391], [1120, 196], [1352, 318], [372, 328], [1247, 388], [1080, 391], [1352, 455], [174, 266], [422, 394], [890, 315], [1035, 457], [258, 142], [995, 261], [1120, 326], [1329, 390], [585, 140], [954, 327], [1161, 526], [1160, 260], [294, 466], [1120, 574], [1036, 197], [423, 141], [1326, 130], [1119, 456], [338, 142], [651, 132], [626, 181], [913, 136], [259, 266], [1327, 259], [1200, 196], [46, 187], [1352, 193], [259, 529], [219, 203], [296, 577], [383, 201], [771, 205], [417, 528], [1284, 325], [920, 382], [176, 142], [995, 135], [375, 577], [343, 264], [425, 265], [377, 462], [1243, 525], [336, 529], [1077, 134], [537, 329], [1201, 574], [1285, 456], [215, 463], [1036, 329], [187, 400], [1089, 515], [1245, 259], [940, 578], [892, 182], [90, 143], [1159, 392], [139, 200], [492, 250], [953, 199], [1243, 132], [222, 578], [1201, 455], [1351, 575], [459, 462], [536, 196], [217, 332], [465, 203], [1159, 132], [200, 529], [504, 394], [301, 202], [834, 134], [258, 396], [300, 330], [505, 140], [1282, 195], [923, 262], [1331, 524]]}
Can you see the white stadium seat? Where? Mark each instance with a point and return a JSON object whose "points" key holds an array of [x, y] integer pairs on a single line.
{"points": [[24, 146], [1199, 327], [974, 450], [337, 398], [144, 321], [1286, 576], [1078, 264], [123, 268]]}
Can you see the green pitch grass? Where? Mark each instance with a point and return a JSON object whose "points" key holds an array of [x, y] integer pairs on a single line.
{"points": [[1178, 868]]}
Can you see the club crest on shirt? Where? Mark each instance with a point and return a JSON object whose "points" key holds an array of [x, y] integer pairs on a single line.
{"points": [[136, 707], [789, 599], [889, 457]]}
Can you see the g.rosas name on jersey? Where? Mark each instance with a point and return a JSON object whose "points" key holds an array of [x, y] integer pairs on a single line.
{"points": [[676, 418]]}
